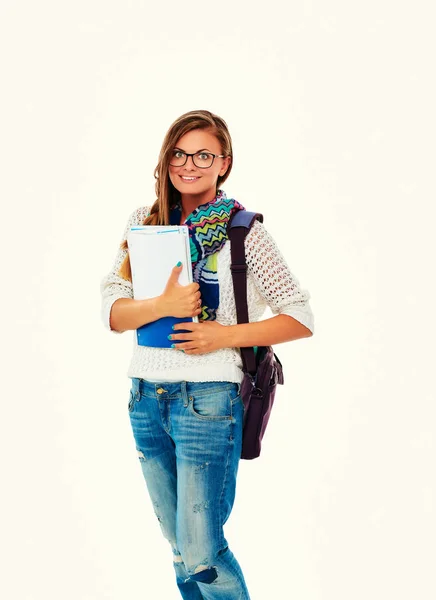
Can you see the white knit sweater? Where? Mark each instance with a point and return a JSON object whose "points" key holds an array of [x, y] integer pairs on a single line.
{"points": [[269, 283]]}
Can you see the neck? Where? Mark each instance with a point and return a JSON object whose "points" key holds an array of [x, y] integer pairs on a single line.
{"points": [[190, 202]]}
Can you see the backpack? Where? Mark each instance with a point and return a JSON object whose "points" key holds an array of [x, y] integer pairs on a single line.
{"points": [[262, 368]]}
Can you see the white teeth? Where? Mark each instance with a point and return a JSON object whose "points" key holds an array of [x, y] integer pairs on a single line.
{"points": [[189, 178]]}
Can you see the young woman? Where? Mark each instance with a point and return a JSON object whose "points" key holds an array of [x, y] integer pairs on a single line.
{"points": [[185, 406]]}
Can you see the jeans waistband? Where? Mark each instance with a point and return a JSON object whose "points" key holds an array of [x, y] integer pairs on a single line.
{"points": [[175, 388]]}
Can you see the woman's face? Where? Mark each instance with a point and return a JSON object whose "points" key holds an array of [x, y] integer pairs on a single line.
{"points": [[204, 186]]}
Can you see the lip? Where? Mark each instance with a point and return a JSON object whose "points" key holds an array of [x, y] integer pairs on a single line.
{"points": [[193, 181]]}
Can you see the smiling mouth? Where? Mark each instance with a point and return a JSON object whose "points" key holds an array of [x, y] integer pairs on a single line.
{"points": [[188, 179]]}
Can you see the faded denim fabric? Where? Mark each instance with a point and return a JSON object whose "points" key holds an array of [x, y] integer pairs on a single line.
{"points": [[189, 438]]}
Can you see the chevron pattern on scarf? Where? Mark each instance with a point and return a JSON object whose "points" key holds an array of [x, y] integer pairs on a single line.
{"points": [[207, 225]]}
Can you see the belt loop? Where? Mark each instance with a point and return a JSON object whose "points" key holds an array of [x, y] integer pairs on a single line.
{"points": [[184, 393]]}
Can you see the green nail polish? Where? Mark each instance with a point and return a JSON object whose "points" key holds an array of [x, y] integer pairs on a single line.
{"points": [[172, 326], [173, 345], [169, 337], [179, 263]]}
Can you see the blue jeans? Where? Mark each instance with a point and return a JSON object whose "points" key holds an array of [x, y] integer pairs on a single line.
{"points": [[189, 438]]}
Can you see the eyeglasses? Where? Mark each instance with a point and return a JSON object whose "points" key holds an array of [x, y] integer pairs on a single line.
{"points": [[202, 160]]}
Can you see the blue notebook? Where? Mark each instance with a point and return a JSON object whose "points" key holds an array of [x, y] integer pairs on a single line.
{"points": [[156, 333], [153, 251]]}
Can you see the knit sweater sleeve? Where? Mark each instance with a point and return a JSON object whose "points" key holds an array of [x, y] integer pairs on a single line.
{"points": [[279, 287], [112, 286]]}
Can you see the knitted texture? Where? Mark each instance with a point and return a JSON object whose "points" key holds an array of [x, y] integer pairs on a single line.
{"points": [[269, 283]]}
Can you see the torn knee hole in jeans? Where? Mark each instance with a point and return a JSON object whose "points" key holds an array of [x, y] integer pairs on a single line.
{"points": [[177, 557], [204, 574], [141, 455], [201, 568]]}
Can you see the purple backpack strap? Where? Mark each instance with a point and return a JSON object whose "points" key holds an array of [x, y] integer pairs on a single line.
{"points": [[238, 227]]}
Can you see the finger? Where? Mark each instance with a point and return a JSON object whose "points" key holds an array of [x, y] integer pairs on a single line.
{"points": [[181, 336], [189, 325], [185, 346], [193, 351]]}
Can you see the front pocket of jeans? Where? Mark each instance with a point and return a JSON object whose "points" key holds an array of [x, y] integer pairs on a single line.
{"points": [[235, 394], [216, 406]]}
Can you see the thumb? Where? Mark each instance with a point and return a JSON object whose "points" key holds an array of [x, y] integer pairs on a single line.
{"points": [[175, 272]]}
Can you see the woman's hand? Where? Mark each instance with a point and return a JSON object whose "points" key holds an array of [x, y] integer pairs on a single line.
{"points": [[205, 336], [180, 300]]}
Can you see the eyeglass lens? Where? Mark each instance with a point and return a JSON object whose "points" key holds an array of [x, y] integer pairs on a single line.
{"points": [[201, 159]]}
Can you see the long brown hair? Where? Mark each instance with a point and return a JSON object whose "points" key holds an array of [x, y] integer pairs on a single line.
{"points": [[166, 193]]}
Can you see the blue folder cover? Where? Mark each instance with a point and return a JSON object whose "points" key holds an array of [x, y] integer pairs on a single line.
{"points": [[156, 333]]}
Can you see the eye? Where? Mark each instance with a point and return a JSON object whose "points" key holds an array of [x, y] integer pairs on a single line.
{"points": [[178, 154], [204, 156]]}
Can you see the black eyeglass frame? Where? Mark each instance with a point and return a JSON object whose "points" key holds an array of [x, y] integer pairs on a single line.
{"points": [[194, 153]]}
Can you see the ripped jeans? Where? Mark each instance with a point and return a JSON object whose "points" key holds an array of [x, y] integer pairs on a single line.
{"points": [[188, 436]]}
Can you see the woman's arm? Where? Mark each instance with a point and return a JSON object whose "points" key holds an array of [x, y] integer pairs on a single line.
{"points": [[127, 313], [280, 289], [278, 329]]}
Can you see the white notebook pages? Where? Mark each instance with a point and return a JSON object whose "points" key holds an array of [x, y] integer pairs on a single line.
{"points": [[154, 250]]}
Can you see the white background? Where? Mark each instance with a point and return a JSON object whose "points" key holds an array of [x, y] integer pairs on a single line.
{"points": [[331, 109]]}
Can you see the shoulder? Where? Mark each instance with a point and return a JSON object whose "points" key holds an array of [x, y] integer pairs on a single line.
{"points": [[139, 214], [257, 234], [261, 248], [136, 218]]}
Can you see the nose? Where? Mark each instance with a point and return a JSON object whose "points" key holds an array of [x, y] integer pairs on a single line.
{"points": [[190, 165]]}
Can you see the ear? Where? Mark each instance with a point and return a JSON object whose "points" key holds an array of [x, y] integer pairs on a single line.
{"points": [[226, 164]]}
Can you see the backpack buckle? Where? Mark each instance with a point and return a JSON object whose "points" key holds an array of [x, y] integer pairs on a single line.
{"points": [[238, 268]]}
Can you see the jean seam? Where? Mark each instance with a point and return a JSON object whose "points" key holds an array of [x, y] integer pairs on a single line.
{"points": [[236, 400], [226, 471]]}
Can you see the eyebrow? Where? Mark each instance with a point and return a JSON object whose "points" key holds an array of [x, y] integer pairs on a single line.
{"points": [[201, 150]]}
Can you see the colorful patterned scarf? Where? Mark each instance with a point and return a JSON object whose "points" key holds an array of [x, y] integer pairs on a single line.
{"points": [[207, 226]]}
